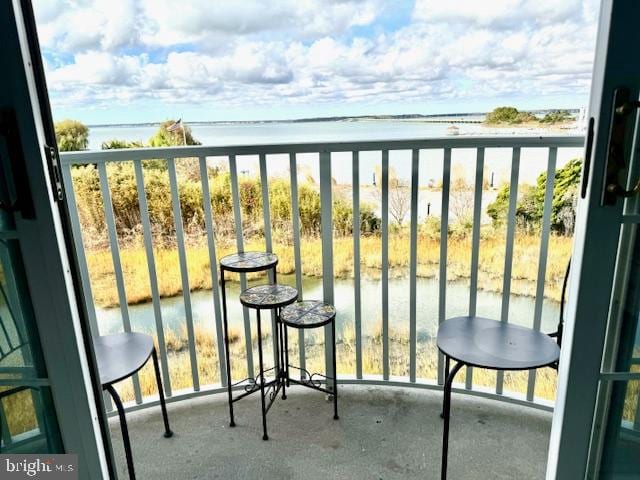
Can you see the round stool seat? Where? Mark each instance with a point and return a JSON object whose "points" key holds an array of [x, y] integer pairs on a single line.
{"points": [[308, 314], [249, 261], [120, 355], [268, 296], [485, 343]]}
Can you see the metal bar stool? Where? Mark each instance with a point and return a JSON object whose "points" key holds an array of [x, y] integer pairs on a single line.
{"points": [[268, 297], [243, 262], [491, 344], [311, 314], [119, 356]]}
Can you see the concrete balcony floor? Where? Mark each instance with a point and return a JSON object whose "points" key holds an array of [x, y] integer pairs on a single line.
{"points": [[383, 433]]}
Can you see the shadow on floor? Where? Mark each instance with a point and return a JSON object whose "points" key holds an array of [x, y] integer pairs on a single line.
{"points": [[383, 433]]}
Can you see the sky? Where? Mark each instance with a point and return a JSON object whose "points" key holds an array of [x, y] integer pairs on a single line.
{"points": [[132, 61]]}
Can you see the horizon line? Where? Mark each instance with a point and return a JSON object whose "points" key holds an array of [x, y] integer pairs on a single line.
{"points": [[326, 119]]}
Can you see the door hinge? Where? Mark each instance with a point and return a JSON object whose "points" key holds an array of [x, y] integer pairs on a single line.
{"points": [[54, 172]]}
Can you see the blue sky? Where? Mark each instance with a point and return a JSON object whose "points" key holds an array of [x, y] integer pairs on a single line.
{"points": [[117, 61]]}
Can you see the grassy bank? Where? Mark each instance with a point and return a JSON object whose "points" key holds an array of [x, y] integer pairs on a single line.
{"points": [[491, 263], [426, 366], [20, 408]]}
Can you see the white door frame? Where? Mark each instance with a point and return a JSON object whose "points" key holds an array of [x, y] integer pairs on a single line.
{"points": [[596, 244], [46, 261]]}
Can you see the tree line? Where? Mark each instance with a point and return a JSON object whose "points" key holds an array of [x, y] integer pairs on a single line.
{"points": [[73, 135]]}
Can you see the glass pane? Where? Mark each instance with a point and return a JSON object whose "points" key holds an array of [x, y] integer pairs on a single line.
{"points": [[15, 351], [27, 418], [622, 440]]}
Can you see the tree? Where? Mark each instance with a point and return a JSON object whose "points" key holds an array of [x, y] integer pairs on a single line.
{"points": [[399, 196], [509, 115], [530, 205], [497, 209], [461, 199], [164, 138], [557, 116], [399, 199], [71, 135]]}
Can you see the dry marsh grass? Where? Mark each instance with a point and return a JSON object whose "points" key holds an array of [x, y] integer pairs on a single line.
{"points": [[21, 416], [491, 263]]}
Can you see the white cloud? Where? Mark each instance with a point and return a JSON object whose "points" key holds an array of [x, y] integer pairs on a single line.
{"points": [[76, 26], [497, 13], [304, 52]]}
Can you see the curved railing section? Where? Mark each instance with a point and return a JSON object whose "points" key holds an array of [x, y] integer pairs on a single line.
{"points": [[171, 156]]}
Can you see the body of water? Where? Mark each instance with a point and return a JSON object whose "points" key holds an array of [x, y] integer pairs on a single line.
{"points": [[216, 134], [497, 160], [497, 168], [521, 308]]}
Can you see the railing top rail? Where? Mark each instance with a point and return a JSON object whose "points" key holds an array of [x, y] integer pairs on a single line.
{"points": [[120, 155]]}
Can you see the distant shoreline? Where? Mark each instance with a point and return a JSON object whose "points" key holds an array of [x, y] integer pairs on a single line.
{"points": [[470, 117]]}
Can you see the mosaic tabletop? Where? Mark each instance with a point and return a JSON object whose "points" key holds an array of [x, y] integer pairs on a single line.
{"points": [[268, 296], [308, 314], [249, 261]]}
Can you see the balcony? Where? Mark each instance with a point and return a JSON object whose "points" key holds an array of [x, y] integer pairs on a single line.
{"points": [[391, 433], [390, 314]]}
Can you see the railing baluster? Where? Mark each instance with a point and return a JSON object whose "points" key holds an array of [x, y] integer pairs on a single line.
{"points": [[81, 257], [413, 263], [508, 256], [117, 265], [266, 215], [295, 218], [153, 276], [76, 230], [237, 217], [542, 260], [213, 263], [444, 228], [475, 247], [357, 294], [184, 271], [138, 155], [385, 264], [326, 226]]}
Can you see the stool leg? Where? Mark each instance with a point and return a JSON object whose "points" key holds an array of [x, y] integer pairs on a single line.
{"points": [[447, 415], [447, 361], [335, 373], [286, 352], [167, 431], [283, 363], [125, 431], [262, 399], [232, 423]]}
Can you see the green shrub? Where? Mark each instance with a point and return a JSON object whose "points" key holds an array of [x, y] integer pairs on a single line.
{"points": [[508, 115], [124, 196], [530, 204], [165, 138], [116, 143], [431, 227], [71, 135], [557, 116]]}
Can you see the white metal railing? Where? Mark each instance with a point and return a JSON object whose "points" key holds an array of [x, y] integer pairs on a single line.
{"points": [[324, 151]]}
